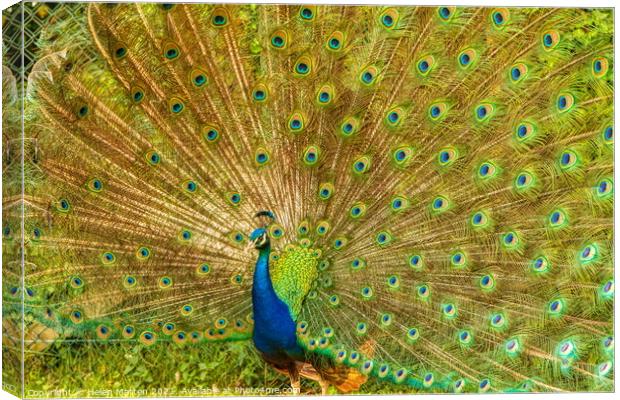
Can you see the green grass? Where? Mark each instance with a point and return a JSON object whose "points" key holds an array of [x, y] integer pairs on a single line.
{"points": [[165, 369]]}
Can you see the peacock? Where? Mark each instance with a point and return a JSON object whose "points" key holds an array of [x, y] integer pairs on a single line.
{"points": [[414, 195]]}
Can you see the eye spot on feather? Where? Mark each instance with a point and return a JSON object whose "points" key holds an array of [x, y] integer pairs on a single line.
{"points": [[556, 307], [279, 39], [361, 165], [518, 72], [189, 186], [349, 126], [358, 264], [386, 319], [171, 52], [604, 188], [568, 160], [479, 220], [550, 40], [120, 52], [510, 240], [467, 58], [129, 281], [203, 269], [335, 41], [76, 282], [334, 300], [103, 332], [465, 338], [185, 235], [311, 155], [326, 190], [143, 253], [524, 181], [498, 320], [449, 310], [600, 66], [394, 117], [260, 93], [108, 258], [94, 185], [322, 228], [512, 346], [165, 282], [458, 259], [76, 316], [540, 265], [368, 75], [566, 349], [439, 205], [137, 95], [152, 157], [606, 290], [565, 102], [487, 283], [500, 18], [484, 385], [588, 254], [447, 156], [148, 338], [83, 111], [36, 234], [393, 282], [425, 65], [261, 157], [325, 95], [367, 292], [383, 238], [307, 13], [219, 18], [389, 18], [604, 368], [129, 332], [608, 135], [176, 106], [445, 13]]}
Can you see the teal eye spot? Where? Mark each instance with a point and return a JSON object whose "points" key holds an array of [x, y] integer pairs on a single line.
{"points": [[383, 238], [324, 97], [334, 44], [108, 258], [190, 186], [306, 13], [200, 80], [153, 158], [388, 20], [540, 265], [604, 188], [219, 20], [186, 235], [120, 52], [497, 320], [259, 95], [36, 233], [444, 13], [278, 41], [177, 107], [608, 134], [588, 254], [83, 111], [138, 95], [449, 310], [302, 68], [172, 53], [568, 160]]}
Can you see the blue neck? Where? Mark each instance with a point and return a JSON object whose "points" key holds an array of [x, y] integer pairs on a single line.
{"points": [[263, 288], [274, 329]]}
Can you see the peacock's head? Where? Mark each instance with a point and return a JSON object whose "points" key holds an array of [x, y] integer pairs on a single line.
{"points": [[260, 238]]}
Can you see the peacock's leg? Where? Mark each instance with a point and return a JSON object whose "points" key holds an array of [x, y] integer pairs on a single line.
{"points": [[324, 386], [293, 373]]}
